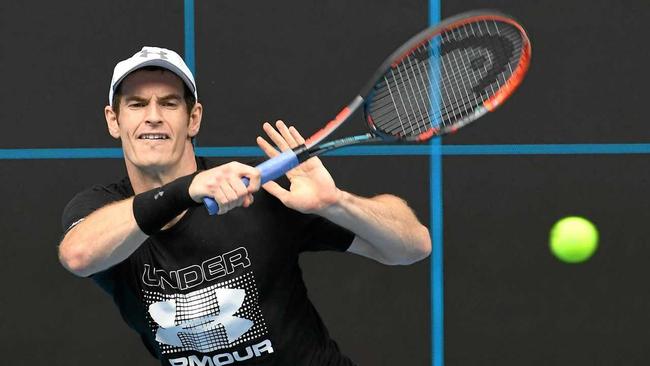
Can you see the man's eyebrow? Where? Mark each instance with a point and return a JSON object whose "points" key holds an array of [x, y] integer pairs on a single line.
{"points": [[170, 96], [134, 98]]}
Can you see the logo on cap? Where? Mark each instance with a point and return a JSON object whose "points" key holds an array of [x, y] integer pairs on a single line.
{"points": [[145, 53]]}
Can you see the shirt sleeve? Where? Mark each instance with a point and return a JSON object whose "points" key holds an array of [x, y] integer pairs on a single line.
{"points": [[85, 203], [320, 234]]}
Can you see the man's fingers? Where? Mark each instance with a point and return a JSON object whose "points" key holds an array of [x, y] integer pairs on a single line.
{"points": [[254, 179], [276, 137], [238, 187], [248, 200], [222, 200], [296, 135], [284, 138], [276, 190], [268, 149], [284, 130], [238, 171], [225, 184], [228, 192]]}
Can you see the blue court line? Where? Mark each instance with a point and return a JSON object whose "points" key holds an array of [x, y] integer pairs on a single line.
{"points": [[188, 27], [436, 272], [546, 149], [437, 264], [73, 153], [375, 150]]}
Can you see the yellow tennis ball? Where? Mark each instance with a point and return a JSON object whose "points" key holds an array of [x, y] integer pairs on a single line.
{"points": [[573, 239]]}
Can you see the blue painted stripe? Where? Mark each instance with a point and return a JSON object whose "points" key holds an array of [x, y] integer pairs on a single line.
{"points": [[375, 150], [435, 202], [188, 10], [188, 31], [437, 264], [544, 149], [80, 153], [229, 151]]}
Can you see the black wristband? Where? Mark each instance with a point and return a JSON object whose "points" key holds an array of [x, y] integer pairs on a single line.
{"points": [[155, 208]]}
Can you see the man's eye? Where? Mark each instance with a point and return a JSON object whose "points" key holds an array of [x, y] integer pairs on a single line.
{"points": [[170, 104], [136, 105]]}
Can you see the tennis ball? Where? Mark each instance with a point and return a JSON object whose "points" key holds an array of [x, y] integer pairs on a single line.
{"points": [[573, 239]]}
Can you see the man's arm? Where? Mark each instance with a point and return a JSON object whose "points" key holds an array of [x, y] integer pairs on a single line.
{"points": [[104, 238], [109, 235], [386, 229]]}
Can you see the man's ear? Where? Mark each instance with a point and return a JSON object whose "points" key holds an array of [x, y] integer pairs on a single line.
{"points": [[195, 120], [111, 122]]}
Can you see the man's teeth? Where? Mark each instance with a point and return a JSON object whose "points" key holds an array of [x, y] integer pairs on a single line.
{"points": [[153, 136]]}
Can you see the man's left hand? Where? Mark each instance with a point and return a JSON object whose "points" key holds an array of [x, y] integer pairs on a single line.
{"points": [[312, 187]]}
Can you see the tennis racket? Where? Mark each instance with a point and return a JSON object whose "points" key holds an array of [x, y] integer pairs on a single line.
{"points": [[443, 78]]}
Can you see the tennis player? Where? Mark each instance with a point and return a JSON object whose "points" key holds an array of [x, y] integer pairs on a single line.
{"points": [[206, 290]]}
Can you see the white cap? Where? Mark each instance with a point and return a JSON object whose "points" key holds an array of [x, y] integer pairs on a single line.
{"points": [[152, 56]]}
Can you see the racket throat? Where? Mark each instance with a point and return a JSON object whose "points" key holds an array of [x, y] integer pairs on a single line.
{"points": [[344, 142], [302, 153]]}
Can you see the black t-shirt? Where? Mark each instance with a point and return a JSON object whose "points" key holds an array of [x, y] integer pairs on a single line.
{"points": [[221, 290]]}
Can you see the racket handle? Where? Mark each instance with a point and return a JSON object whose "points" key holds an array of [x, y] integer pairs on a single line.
{"points": [[212, 206], [270, 170]]}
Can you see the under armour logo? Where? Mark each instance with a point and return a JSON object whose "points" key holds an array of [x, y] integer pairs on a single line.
{"points": [[161, 54], [208, 327], [158, 195]]}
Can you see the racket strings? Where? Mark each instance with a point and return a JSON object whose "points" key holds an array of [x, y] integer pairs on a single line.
{"points": [[426, 115], [445, 79], [422, 101]]}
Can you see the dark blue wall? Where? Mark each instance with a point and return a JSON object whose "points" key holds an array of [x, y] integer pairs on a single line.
{"points": [[507, 301]]}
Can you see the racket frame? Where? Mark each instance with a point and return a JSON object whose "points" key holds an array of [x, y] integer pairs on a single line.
{"points": [[287, 160], [418, 40]]}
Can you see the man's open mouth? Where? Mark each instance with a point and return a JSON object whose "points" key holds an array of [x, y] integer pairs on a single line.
{"points": [[153, 136]]}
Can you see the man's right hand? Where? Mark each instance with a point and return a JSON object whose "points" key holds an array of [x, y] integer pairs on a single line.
{"points": [[224, 184]]}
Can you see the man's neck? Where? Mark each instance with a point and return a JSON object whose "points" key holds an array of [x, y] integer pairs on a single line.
{"points": [[149, 178]]}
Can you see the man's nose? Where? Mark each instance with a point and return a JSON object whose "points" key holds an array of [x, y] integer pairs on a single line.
{"points": [[154, 115]]}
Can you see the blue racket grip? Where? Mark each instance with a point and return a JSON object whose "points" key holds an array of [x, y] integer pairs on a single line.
{"points": [[212, 206], [270, 170]]}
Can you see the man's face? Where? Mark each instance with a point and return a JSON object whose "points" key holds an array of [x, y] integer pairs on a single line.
{"points": [[153, 122]]}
